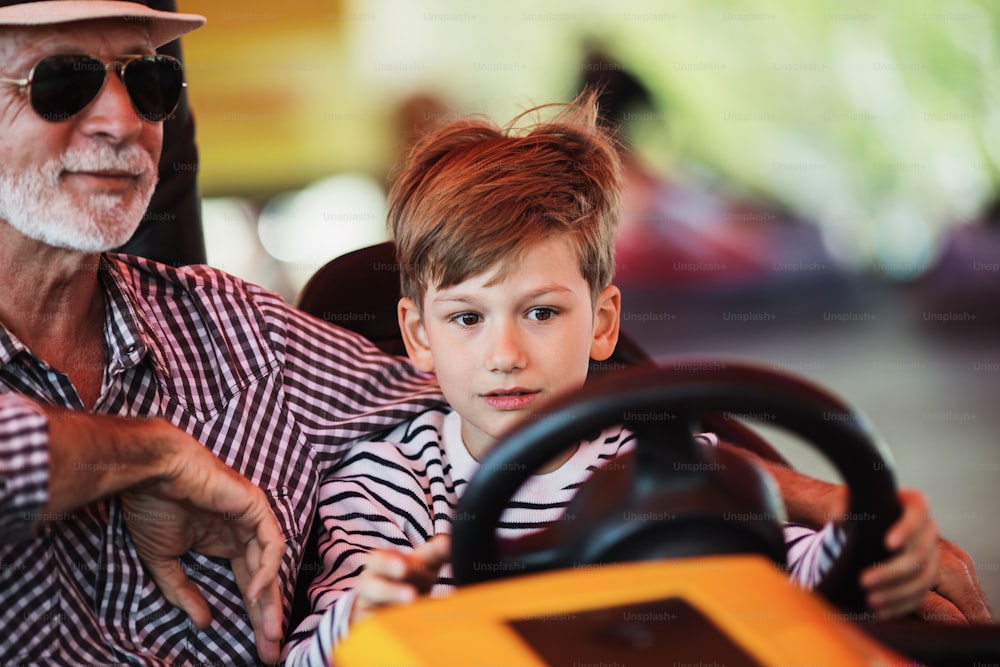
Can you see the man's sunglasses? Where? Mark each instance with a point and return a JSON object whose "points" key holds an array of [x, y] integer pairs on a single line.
{"points": [[62, 86]]}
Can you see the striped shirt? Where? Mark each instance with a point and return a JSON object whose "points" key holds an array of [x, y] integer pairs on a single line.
{"points": [[398, 493], [272, 392]]}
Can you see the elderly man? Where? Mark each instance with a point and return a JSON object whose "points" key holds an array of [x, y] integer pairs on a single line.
{"points": [[161, 431]]}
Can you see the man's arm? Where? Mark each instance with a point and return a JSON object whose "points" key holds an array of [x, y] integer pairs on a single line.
{"points": [[958, 595], [176, 495], [809, 501], [97, 456]]}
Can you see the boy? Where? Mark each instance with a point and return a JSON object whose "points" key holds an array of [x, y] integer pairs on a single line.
{"points": [[505, 242]]}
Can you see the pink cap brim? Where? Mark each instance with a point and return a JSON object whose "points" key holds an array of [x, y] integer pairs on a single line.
{"points": [[163, 26]]}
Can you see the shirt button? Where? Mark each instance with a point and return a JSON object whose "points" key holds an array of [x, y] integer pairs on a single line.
{"points": [[119, 541], [131, 348]]}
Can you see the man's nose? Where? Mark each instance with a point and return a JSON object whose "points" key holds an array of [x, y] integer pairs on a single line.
{"points": [[111, 114]]}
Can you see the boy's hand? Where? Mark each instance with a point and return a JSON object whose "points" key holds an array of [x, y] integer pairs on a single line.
{"points": [[394, 577], [897, 586]]}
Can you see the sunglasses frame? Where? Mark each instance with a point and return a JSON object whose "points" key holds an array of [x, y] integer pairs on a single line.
{"points": [[119, 65]]}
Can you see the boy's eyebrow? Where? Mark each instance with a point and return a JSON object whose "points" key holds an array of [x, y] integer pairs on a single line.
{"points": [[534, 294]]}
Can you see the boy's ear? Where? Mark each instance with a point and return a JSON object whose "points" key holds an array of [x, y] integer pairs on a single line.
{"points": [[607, 319], [411, 326]]}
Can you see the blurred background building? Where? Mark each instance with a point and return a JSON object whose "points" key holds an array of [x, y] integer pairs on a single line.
{"points": [[812, 185]]}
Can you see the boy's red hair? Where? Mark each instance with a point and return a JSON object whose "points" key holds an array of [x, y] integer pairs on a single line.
{"points": [[472, 195]]}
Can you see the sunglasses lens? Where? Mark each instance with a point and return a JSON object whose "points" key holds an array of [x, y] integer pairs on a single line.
{"points": [[63, 85], [154, 83]]}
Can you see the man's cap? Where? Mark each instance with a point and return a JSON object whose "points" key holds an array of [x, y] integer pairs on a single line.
{"points": [[163, 26]]}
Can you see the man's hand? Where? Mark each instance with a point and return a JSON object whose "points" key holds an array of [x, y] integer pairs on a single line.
{"points": [[958, 597], [177, 497], [394, 577], [205, 506]]}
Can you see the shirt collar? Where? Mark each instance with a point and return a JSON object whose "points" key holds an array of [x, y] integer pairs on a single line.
{"points": [[128, 335], [10, 347]]}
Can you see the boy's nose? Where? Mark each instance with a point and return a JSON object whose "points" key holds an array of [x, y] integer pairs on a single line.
{"points": [[506, 352]]}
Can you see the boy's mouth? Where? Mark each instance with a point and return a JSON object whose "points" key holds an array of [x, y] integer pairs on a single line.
{"points": [[515, 398]]}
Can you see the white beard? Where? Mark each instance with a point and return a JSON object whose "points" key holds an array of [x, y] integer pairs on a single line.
{"points": [[35, 204]]}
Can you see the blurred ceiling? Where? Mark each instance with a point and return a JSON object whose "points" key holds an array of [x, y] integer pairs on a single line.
{"points": [[877, 121]]}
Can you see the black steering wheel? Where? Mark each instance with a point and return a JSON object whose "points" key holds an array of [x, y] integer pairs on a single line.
{"points": [[672, 496]]}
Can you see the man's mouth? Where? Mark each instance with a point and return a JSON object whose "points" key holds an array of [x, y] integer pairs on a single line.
{"points": [[110, 179]]}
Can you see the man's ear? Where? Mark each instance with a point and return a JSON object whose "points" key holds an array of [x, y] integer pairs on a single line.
{"points": [[411, 326], [607, 319]]}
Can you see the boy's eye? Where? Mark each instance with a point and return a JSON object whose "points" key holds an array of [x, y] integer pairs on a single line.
{"points": [[541, 314], [466, 319]]}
